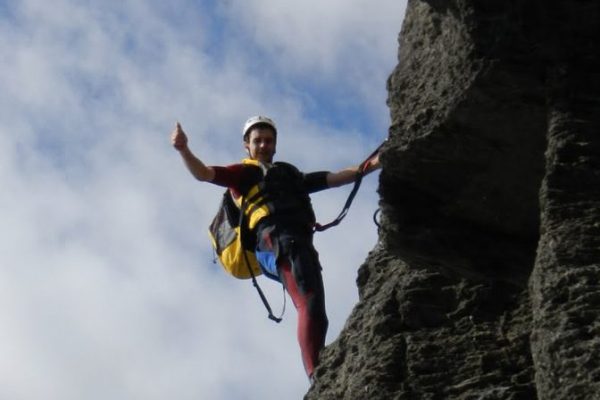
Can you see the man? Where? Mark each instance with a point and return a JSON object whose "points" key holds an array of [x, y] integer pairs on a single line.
{"points": [[284, 227]]}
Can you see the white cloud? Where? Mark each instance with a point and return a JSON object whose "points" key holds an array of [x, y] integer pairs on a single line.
{"points": [[338, 46], [107, 286], [316, 36]]}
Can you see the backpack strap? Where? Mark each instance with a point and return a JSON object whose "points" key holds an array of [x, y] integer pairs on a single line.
{"points": [[254, 281]]}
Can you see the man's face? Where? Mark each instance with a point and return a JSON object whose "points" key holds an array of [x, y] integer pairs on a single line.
{"points": [[261, 144]]}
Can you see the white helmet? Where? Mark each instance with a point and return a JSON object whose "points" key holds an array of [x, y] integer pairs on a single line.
{"points": [[258, 119]]}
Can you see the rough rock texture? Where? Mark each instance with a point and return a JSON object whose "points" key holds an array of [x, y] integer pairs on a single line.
{"points": [[485, 280]]}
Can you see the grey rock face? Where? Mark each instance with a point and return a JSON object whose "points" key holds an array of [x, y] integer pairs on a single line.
{"points": [[485, 280]]}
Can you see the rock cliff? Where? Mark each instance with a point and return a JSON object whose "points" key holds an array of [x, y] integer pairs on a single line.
{"points": [[485, 280]]}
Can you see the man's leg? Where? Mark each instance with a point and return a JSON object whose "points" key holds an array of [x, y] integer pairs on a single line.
{"points": [[301, 274]]}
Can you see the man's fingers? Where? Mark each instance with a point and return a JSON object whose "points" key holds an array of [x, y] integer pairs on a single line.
{"points": [[178, 137]]}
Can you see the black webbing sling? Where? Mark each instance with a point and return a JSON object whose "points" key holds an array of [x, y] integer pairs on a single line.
{"points": [[359, 175]]}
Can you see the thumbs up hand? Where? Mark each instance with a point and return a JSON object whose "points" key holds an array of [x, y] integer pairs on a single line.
{"points": [[179, 138]]}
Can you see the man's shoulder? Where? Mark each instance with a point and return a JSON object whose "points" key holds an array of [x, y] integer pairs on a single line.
{"points": [[241, 166], [236, 175], [287, 166]]}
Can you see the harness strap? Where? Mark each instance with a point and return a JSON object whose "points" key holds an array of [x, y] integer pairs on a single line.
{"points": [[357, 181], [257, 204]]}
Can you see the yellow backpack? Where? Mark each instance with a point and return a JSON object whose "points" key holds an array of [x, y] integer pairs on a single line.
{"points": [[233, 241]]}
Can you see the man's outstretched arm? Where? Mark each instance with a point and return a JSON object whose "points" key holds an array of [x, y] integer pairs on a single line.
{"points": [[348, 175], [193, 163]]}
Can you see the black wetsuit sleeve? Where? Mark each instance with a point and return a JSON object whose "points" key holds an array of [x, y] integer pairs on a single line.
{"points": [[316, 181]]}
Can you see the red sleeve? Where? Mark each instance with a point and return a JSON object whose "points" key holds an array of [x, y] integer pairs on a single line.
{"points": [[239, 178], [229, 176]]}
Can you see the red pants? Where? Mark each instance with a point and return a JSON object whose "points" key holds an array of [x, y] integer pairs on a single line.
{"points": [[312, 319], [300, 272]]}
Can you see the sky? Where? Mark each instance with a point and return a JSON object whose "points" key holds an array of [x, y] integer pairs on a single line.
{"points": [[108, 289]]}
